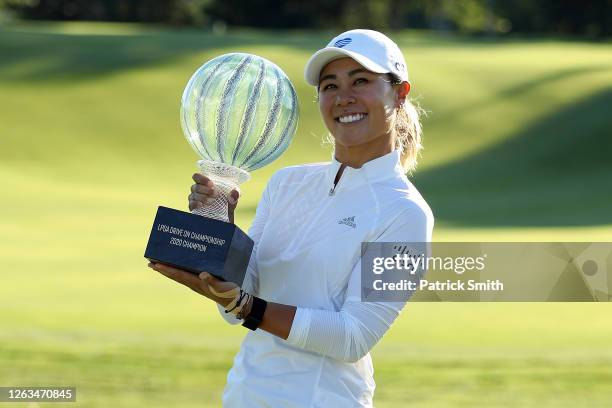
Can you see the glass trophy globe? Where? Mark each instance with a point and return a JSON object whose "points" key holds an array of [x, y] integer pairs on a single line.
{"points": [[239, 112]]}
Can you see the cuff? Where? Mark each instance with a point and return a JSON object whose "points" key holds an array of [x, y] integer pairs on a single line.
{"points": [[299, 327], [228, 317]]}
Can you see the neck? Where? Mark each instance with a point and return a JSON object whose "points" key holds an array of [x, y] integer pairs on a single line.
{"points": [[357, 156]]}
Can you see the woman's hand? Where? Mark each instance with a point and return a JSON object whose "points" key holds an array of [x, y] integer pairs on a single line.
{"points": [[205, 284], [203, 193]]}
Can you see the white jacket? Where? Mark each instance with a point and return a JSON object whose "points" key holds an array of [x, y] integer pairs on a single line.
{"points": [[307, 253]]}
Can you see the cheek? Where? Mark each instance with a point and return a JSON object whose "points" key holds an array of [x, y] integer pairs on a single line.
{"points": [[325, 110], [382, 116], [378, 111], [386, 107]]}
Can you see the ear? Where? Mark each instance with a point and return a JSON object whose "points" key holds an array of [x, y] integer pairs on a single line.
{"points": [[402, 92]]}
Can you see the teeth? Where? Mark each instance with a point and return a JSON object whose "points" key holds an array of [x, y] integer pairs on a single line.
{"points": [[351, 118]]}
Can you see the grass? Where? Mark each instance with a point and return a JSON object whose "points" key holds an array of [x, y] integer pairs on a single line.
{"points": [[517, 149]]}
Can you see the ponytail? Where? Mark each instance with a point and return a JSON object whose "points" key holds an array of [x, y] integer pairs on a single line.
{"points": [[408, 134], [408, 130]]}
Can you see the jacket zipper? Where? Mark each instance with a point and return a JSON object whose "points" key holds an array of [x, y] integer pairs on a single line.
{"points": [[332, 191]]}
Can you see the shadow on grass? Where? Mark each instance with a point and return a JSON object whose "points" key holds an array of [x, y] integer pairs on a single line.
{"points": [[556, 172], [531, 84], [42, 52], [44, 56]]}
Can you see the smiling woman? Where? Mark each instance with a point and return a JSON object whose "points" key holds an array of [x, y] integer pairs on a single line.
{"points": [[359, 108], [311, 335], [368, 82]]}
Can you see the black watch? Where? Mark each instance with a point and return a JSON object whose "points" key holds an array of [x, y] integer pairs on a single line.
{"points": [[253, 320]]}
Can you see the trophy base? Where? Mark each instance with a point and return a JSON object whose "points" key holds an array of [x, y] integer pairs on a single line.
{"points": [[199, 244]]}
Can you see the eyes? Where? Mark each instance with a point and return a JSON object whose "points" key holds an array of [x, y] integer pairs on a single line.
{"points": [[357, 82]]}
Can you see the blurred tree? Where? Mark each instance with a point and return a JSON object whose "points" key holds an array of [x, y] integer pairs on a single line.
{"points": [[170, 11], [469, 16], [276, 13], [592, 18], [365, 14]]}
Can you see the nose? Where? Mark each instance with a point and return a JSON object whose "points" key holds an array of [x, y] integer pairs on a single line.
{"points": [[344, 98]]}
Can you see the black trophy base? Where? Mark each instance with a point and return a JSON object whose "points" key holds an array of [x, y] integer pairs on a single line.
{"points": [[197, 244]]}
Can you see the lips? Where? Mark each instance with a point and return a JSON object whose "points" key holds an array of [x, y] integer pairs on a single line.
{"points": [[351, 117]]}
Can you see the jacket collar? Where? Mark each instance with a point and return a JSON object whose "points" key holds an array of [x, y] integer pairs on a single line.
{"points": [[378, 169]]}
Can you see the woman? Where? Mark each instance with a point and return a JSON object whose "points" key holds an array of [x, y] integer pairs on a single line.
{"points": [[302, 289]]}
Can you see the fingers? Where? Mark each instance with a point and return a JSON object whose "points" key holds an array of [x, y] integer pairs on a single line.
{"points": [[232, 202], [166, 270], [195, 283], [202, 193], [224, 292], [178, 275], [203, 198], [205, 190], [233, 197], [204, 186], [201, 179], [194, 204], [217, 284], [210, 281], [199, 200], [205, 284]]}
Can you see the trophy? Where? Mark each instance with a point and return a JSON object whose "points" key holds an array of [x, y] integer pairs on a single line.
{"points": [[239, 112]]}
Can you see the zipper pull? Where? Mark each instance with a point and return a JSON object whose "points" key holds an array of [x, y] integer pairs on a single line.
{"points": [[340, 170]]}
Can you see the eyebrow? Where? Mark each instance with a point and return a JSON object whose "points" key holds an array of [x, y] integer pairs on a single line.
{"points": [[351, 73]]}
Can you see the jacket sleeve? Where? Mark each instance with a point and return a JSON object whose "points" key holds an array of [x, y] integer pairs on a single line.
{"points": [[350, 333], [251, 280]]}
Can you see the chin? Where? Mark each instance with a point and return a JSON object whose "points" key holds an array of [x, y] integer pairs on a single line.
{"points": [[354, 138]]}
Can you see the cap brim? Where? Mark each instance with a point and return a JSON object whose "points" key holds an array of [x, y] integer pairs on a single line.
{"points": [[324, 56]]}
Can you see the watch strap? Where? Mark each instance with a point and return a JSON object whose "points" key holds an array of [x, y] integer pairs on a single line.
{"points": [[255, 317]]}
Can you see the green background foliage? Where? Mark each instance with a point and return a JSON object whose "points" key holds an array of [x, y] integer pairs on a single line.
{"points": [[591, 19]]}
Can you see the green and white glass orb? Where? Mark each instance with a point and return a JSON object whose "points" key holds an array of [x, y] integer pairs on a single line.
{"points": [[239, 113]]}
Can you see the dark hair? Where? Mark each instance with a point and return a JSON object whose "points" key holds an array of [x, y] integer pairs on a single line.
{"points": [[394, 79]]}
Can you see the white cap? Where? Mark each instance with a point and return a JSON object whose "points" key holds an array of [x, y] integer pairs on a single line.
{"points": [[373, 50]]}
